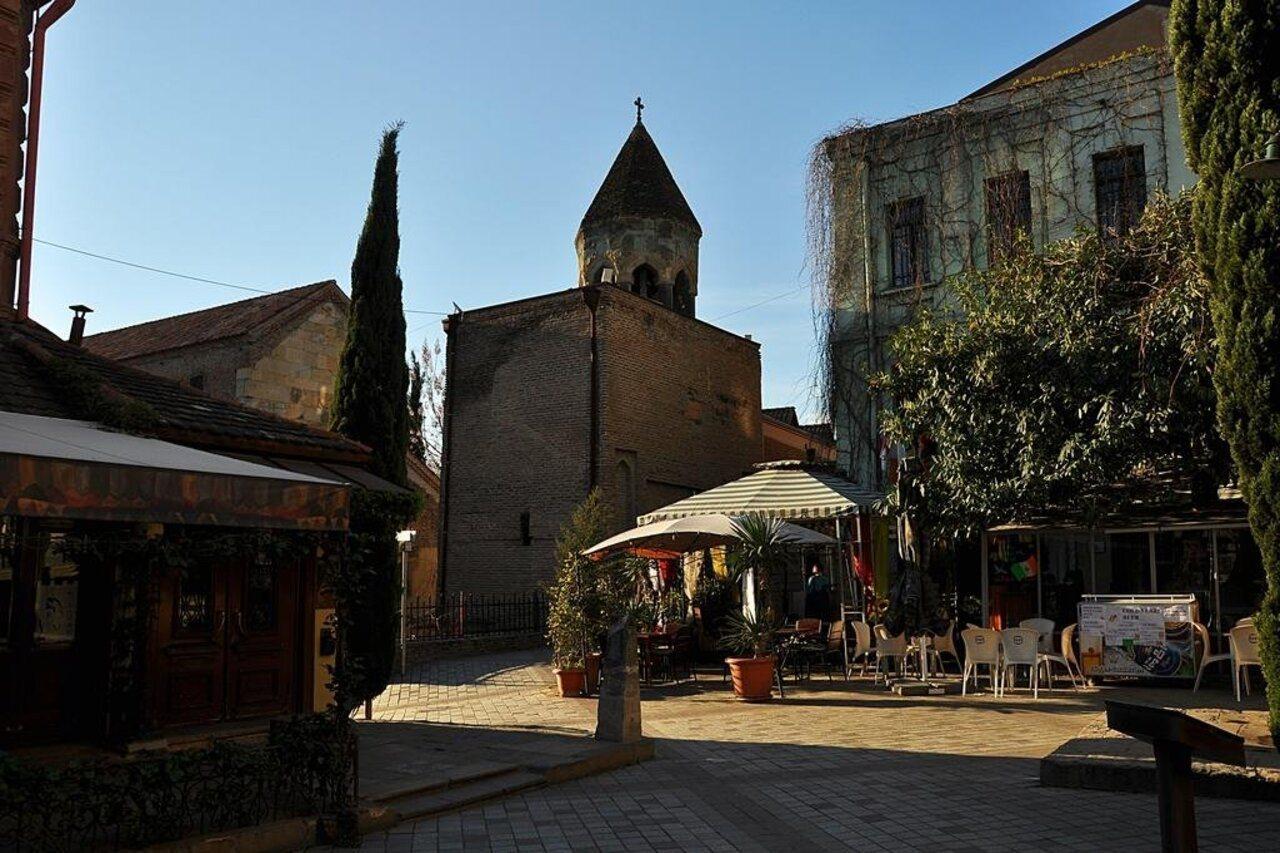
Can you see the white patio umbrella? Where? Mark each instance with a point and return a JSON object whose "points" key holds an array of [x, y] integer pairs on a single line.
{"points": [[676, 536]]}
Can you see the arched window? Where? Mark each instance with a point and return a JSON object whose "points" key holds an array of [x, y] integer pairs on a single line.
{"points": [[626, 492], [683, 294], [645, 280]]}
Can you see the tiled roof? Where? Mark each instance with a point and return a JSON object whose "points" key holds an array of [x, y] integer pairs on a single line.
{"points": [[640, 184], [785, 414], [823, 432], [257, 316], [30, 356]]}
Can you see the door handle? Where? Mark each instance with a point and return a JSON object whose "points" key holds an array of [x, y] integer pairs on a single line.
{"points": [[222, 622], [240, 632]]}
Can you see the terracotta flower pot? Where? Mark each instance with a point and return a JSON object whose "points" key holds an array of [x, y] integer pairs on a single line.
{"points": [[571, 681], [593, 673], [752, 678]]}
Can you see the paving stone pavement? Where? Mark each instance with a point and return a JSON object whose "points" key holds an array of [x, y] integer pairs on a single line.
{"points": [[835, 766]]}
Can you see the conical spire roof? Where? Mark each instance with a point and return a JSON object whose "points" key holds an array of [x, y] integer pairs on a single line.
{"points": [[640, 184]]}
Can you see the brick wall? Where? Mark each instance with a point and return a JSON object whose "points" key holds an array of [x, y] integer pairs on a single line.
{"points": [[680, 401], [679, 409], [516, 440]]}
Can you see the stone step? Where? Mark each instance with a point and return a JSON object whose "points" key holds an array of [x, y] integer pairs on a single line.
{"points": [[440, 777], [453, 798]]}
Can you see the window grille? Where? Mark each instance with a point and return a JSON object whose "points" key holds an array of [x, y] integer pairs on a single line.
{"points": [[1120, 188], [907, 249]]}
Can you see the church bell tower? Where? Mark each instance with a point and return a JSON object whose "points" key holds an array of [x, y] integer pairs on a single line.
{"points": [[639, 232]]}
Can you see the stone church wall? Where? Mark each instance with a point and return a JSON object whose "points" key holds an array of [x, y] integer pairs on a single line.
{"points": [[295, 378]]}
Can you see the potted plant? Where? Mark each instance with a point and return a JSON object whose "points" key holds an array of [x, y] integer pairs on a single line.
{"points": [[752, 671], [568, 632]]}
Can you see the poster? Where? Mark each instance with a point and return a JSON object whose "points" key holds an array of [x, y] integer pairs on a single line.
{"points": [[1145, 639]]}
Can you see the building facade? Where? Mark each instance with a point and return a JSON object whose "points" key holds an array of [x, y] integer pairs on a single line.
{"points": [[782, 436], [1078, 137], [277, 353], [613, 385]]}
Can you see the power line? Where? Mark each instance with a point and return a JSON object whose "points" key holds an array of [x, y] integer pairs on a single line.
{"points": [[134, 265], [773, 298]]}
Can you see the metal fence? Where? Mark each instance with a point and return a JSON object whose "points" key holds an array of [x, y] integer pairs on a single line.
{"points": [[464, 616]]}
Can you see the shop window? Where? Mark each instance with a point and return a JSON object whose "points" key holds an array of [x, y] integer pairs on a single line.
{"points": [[1184, 564], [1241, 581], [195, 599], [261, 597], [57, 594], [1120, 188], [1126, 567]]}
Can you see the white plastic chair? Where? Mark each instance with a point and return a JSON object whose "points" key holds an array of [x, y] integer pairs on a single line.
{"points": [[861, 645], [1066, 659], [1045, 627], [889, 649], [981, 648], [1207, 659], [1021, 648], [1244, 654], [945, 644]]}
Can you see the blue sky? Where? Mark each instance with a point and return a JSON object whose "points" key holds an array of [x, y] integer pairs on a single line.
{"points": [[235, 140]]}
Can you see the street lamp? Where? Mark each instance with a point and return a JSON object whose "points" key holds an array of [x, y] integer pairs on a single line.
{"points": [[405, 539], [1268, 168]]}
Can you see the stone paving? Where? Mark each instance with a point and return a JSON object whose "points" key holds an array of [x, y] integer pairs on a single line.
{"points": [[835, 766]]}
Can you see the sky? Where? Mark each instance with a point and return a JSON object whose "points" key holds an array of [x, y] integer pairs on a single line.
{"points": [[235, 141]]}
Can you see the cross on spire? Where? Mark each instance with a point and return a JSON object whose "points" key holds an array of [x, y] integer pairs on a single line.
{"points": [[639, 108]]}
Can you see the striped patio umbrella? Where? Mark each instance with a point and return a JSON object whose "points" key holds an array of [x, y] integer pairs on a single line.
{"points": [[673, 537], [775, 490]]}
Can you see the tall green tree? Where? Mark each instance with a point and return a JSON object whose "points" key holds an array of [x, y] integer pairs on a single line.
{"points": [[373, 379], [1227, 62], [417, 416], [370, 407]]}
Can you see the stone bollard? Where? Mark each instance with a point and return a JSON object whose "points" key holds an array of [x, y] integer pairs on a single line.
{"points": [[618, 710]]}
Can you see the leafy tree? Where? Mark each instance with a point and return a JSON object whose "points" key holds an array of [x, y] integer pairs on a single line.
{"points": [[369, 406], [1227, 63], [1054, 376], [433, 385]]}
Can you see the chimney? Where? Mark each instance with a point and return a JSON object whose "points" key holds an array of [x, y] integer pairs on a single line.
{"points": [[77, 324]]}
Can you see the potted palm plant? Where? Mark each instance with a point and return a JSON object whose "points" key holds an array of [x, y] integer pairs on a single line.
{"points": [[758, 554], [749, 636], [568, 632]]}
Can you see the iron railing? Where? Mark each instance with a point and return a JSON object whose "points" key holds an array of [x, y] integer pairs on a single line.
{"points": [[463, 616]]}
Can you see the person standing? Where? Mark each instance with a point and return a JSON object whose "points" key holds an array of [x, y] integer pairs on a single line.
{"points": [[817, 595]]}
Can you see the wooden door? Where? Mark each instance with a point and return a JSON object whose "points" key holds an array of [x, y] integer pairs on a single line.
{"points": [[190, 652], [262, 649]]}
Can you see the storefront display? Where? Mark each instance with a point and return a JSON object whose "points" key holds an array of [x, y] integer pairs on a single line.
{"points": [[1144, 636]]}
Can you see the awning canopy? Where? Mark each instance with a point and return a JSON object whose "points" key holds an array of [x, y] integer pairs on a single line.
{"points": [[54, 467], [776, 490], [673, 537]]}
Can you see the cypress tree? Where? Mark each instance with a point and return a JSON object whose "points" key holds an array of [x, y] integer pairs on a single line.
{"points": [[373, 380], [1227, 63], [370, 407]]}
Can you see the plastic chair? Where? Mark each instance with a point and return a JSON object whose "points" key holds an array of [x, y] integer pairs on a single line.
{"points": [[889, 649], [1206, 658], [1244, 654], [862, 647], [981, 648], [945, 644], [1045, 627], [1066, 659], [1021, 648]]}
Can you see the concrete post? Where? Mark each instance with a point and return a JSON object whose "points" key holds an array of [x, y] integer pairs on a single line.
{"points": [[618, 710]]}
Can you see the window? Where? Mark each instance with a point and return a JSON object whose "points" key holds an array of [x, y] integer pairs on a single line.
{"points": [[907, 260], [57, 592], [195, 599], [197, 381], [526, 529], [261, 596], [625, 483], [1120, 188], [645, 282], [1008, 210], [683, 294]]}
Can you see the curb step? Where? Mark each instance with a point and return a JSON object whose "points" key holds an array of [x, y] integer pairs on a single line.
{"points": [[449, 798], [464, 775]]}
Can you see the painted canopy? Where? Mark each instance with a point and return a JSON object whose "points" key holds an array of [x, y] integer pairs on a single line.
{"points": [[55, 467], [673, 537], [775, 490]]}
